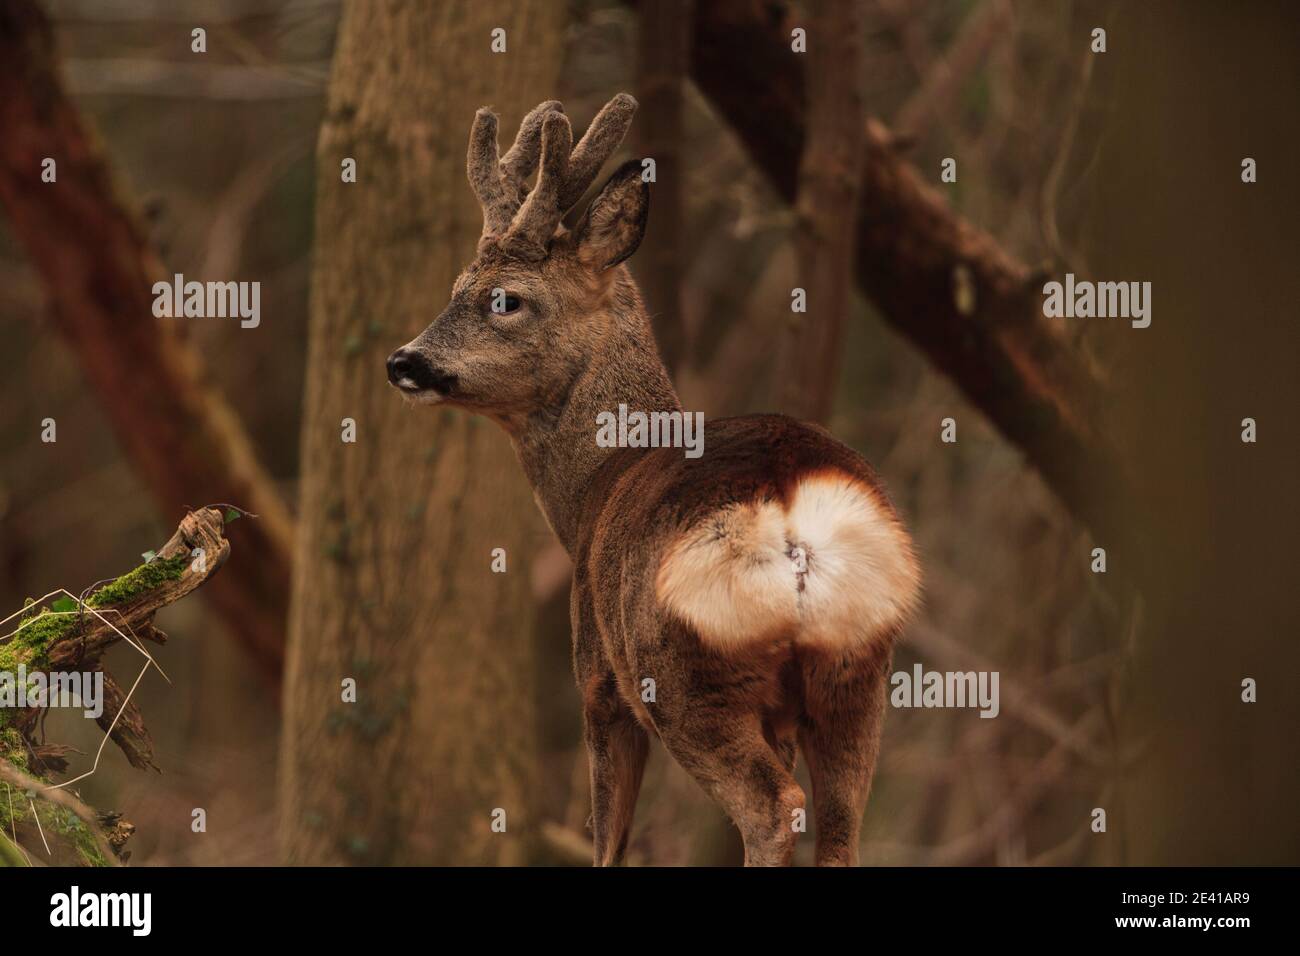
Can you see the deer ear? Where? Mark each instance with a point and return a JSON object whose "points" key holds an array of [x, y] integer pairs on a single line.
{"points": [[615, 221]]}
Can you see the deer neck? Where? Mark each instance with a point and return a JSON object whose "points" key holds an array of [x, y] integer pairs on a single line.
{"points": [[557, 445]]}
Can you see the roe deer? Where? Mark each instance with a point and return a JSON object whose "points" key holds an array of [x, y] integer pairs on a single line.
{"points": [[760, 586]]}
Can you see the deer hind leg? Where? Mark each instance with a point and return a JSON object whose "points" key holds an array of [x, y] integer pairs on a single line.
{"points": [[729, 758], [617, 746], [709, 715], [782, 737], [844, 702], [780, 723]]}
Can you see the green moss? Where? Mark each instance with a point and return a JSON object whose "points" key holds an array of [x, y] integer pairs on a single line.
{"points": [[139, 581], [37, 631], [12, 748], [77, 833], [59, 825], [57, 822], [34, 635], [41, 627]]}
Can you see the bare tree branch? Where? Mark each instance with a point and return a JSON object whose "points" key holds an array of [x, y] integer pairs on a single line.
{"points": [[940, 86], [978, 843], [946, 285], [1014, 698], [159, 78]]}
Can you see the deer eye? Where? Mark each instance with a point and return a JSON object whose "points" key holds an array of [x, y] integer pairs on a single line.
{"points": [[503, 303]]}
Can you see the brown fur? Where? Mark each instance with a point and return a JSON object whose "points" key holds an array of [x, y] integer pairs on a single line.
{"points": [[721, 714], [732, 715]]}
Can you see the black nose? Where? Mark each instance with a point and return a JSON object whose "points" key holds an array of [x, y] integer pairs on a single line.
{"points": [[412, 367], [400, 365]]}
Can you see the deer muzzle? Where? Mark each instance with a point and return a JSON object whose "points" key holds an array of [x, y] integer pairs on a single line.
{"points": [[412, 372]]}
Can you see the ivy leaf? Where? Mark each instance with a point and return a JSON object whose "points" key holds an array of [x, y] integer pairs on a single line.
{"points": [[64, 604], [231, 515], [149, 556]]}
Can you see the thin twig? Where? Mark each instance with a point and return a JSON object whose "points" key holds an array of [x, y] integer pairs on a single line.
{"points": [[39, 829]]}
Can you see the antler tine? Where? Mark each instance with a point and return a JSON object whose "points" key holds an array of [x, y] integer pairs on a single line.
{"points": [[484, 170], [602, 138], [530, 233], [498, 182], [529, 218], [521, 159]]}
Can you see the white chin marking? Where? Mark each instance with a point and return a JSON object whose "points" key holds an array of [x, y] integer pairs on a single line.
{"points": [[419, 396], [834, 569]]}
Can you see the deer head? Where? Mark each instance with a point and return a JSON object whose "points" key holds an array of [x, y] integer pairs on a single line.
{"points": [[527, 313]]}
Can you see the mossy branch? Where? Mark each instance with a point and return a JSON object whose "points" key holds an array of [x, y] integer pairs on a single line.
{"points": [[73, 634]]}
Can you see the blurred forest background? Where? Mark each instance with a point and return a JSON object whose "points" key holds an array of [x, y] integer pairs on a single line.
{"points": [[1119, 690]]}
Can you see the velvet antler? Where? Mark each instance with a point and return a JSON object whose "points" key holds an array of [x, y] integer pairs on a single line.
{"points": [[525, 221]]}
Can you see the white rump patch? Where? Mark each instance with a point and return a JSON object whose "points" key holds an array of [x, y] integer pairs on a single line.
{"points": [[834, 568]]}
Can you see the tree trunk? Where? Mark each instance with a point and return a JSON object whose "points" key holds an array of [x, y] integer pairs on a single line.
{"points": [[663, 45], [393, 585], [826, 210], [1214, 782]]}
